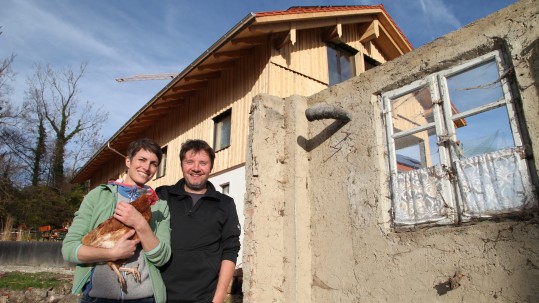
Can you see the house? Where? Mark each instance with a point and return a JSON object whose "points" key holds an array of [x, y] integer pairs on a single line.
{"points": [[418, 184], [302, 50]]}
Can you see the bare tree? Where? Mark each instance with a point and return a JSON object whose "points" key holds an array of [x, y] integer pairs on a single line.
{"points": [[55, 94], [6, 75]]}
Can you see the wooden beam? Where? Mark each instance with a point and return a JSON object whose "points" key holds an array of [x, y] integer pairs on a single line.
{"points": [[145, 119], [389, 46], [293, 33], [206, 76], [136, 125], [154, 112], [369, 31], [169, 103], [308, 24], [254, 40], [290, 37], [177, 97], [333, 34], [217, 66], [234, 54], [281, 41], [189, 87]]}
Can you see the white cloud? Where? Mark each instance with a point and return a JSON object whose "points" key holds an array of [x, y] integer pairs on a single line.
{"points": [[439, 14]]}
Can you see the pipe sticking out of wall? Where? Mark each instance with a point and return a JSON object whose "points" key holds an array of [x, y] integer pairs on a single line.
{"points": [[326, 111]]}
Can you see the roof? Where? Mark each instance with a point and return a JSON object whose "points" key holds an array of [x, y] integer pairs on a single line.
{"points": [[252, 30]]}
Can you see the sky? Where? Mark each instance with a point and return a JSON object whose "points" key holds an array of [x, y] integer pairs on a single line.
{"points": [[119, 38]]}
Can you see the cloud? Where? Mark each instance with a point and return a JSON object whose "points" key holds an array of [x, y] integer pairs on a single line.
{"points": [[438, 13]]}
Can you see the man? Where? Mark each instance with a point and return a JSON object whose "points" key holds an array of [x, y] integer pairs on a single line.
{"points": [[96, 281], [205, 231]]}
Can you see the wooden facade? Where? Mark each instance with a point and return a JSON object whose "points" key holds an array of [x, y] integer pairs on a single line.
{"points": [[279, 53]]}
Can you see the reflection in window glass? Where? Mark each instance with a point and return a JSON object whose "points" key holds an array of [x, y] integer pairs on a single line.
{"points": [[412, 110], [222, 128], [416, 151], [475, 87], [340, 63], [484, 133]]}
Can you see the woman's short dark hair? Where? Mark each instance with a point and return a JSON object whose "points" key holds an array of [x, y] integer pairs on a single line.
{"points": [[197, 145], [145, 144]]}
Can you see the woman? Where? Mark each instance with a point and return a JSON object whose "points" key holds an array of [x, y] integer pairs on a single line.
{"points": [[93, 277]]}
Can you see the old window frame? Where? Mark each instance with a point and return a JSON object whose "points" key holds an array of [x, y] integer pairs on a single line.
{"points": [[448, 189]]}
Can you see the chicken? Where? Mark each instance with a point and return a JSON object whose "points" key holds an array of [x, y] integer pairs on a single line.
{"points": [[106, 235]]}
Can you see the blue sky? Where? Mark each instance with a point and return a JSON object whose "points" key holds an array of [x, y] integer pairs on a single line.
{"points": [[126, 37]]}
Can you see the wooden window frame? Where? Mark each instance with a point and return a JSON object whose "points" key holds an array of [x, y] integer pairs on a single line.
{"points": [[219, 132]]}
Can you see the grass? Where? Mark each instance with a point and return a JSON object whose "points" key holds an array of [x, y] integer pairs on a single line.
{"points": [[21, 281]]}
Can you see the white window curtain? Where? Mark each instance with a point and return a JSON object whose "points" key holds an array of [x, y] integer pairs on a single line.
{"points": [[494, 183], [419, 197]]}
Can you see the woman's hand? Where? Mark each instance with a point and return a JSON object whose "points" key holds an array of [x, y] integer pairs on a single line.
{"points": [[128, 215], [125, 247]]}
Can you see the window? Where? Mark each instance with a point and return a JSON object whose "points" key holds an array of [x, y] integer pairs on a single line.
{"points": [[370, 62], [341, 65], [455, 152], [161, 170], [225, 188], [222, 127]]}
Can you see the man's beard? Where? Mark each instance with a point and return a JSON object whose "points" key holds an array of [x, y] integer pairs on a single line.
{"points": [[195, 187]]}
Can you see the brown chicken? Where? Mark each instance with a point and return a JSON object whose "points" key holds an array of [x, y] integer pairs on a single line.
{"points": [[106, 235]]}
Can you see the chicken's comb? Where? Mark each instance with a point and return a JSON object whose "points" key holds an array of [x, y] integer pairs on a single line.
{"points": [[152, 196]]}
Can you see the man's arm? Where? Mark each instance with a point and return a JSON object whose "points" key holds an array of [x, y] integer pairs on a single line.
{"points": [[225, 277]]}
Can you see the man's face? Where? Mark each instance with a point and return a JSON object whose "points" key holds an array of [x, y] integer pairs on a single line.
{"points": [[141, 168], [196, 168]]}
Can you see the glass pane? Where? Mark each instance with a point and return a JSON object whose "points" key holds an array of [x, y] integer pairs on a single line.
{"points": [[222, 132], [346, 73], [475, 87], [484, 133], [225, 131], [334, 75], [412, 110], [339, 66], [416, 151]]}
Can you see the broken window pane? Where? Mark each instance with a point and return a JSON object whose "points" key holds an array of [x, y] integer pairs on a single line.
{"points": [[484, 133], [416, 151]]}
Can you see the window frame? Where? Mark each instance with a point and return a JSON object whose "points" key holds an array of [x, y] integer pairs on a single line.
{"points": [[445, 132], [343, 50], [218, 130], [225, 188], [162, 168]]}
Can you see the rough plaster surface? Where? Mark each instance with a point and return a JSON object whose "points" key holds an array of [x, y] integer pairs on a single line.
{"points": [[317, 201]]}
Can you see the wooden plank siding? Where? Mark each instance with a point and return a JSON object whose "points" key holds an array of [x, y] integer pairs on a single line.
{"points": [[300, 69]]}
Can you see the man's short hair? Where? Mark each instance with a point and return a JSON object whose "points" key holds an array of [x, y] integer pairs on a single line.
{"points": [[197, 145], [145, 144]]}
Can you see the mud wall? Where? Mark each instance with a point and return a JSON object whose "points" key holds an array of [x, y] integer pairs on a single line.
{"points": [[317, 225]]}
